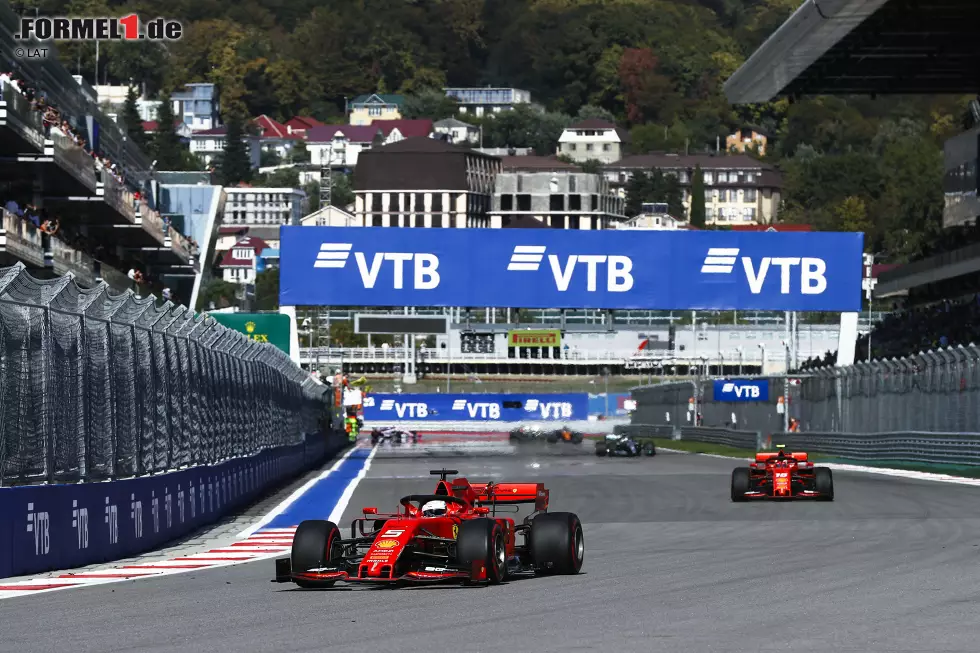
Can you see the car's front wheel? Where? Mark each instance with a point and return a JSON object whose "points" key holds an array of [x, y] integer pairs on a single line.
{"points": [[315, 545], [480, 542]]}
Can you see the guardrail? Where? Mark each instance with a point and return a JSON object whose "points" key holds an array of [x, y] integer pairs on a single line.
{"points": [[96, 386], [934, 391], [923, 447]]}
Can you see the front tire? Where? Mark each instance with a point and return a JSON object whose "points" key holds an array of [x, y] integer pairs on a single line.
{"points": [[649, 449], [823, 482], [600, 449], [481, 542], [315, 545], [741, 483], [557, 543]]}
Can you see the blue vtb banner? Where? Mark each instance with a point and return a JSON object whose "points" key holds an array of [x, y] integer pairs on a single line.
{"points": [[556, 268], [742, 390], [475, 407]]}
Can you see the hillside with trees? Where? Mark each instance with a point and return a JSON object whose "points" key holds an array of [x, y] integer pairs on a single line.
{"points": [[656, 66]]}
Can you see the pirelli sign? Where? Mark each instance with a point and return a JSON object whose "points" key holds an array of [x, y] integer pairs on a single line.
{"points": [[534, 338]]}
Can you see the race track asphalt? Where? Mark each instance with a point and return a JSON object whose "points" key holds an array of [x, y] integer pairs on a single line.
{"points": [[671, 565]]}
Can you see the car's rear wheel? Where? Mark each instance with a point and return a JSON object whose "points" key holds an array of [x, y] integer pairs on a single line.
{"points": [[823, 482], [557, 543], [315, 545], [741, 483], [600, 449], [552, 438], [649, 449], [481, 542], [577, 438]]}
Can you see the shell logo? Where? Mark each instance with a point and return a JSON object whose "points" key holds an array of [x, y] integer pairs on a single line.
{"points": [[387, 544], [250, 326]]}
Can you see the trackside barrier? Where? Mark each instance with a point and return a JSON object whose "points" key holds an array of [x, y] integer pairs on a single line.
{"points": [[727, 437], [907, 446], [48, 527], [933, 391], [95, 386]]}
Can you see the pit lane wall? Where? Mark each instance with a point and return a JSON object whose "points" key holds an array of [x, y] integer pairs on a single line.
{"points": [[49, 527]]}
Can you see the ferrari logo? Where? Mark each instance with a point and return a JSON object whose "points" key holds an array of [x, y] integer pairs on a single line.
{"points": [[455, 531]]}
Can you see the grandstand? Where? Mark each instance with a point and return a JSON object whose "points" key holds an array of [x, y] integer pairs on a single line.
{"points": [[848, 47], [78, 196]]}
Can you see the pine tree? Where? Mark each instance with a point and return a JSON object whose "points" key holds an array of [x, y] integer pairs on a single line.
{"points": [[166, 147], [236, 165], [697, 199], [132, 121]]}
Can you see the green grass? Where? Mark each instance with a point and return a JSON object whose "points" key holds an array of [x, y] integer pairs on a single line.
{"points": [[692, 446]]}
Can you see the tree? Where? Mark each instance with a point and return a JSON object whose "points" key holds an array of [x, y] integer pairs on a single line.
{"points": [[267, 290], [647, 91], [698, 213], [236, 165], [591, 111], [166, 147], [132, 121], [341, 193], [219, 293], [431, 104], [300, 153]]}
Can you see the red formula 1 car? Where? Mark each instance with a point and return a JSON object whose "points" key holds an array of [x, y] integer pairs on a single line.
{"points": [[782, 475], [455, 534]]}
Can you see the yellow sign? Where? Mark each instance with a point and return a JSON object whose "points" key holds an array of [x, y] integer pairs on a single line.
{"points": [[455, 531], [387, 544], [534, 338]]}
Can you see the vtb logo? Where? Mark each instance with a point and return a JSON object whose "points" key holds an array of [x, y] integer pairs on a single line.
{"points": [[618, 268], [549, 410], [485, 410], [39, 523], [721, 260], [740, 391], [425, 274]]}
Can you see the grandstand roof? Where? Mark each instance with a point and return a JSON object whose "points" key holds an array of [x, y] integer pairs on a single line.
{"points": [[845, 47]]}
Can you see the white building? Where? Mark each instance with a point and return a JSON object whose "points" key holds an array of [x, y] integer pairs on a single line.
{"points": [[593, 139], [658, 221], [264, 206], [488, 100], [458, 131], [331, 216], [338, 146], [208, 143]]}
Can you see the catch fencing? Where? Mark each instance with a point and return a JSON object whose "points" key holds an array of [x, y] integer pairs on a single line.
{"points": [[95, 386], [935, 391]]}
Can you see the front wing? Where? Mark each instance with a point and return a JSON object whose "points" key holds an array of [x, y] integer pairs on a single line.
{"points": [[330, 575], [802, 494]]}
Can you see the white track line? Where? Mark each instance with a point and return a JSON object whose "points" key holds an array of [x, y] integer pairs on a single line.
{"points": [[278, 510], [882, 471], [345, 498]]}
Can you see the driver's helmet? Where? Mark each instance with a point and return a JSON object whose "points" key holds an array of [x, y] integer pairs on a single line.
{"points": [[434, 509]]}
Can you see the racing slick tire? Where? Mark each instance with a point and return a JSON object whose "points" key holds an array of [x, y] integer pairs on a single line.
{"points": [[315, 544], [649, 449], [481, 541], [577, 438], [557, 543], [823, 482], [600, 449], [552, 437], [741, 483]]}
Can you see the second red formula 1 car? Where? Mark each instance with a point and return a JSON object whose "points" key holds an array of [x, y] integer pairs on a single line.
{"points": [[782, 475], [455, 534]]}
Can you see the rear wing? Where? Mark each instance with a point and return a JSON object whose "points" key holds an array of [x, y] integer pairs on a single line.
{"points": [[512, 493], [799, 457]]}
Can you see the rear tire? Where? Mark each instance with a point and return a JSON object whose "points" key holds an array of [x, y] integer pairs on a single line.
{"points": [[741, 483], [557, 543], [577, 438], [315, 545], [481, 541], [552, 438], [600, 449], [649, 449], [823, 482]]}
